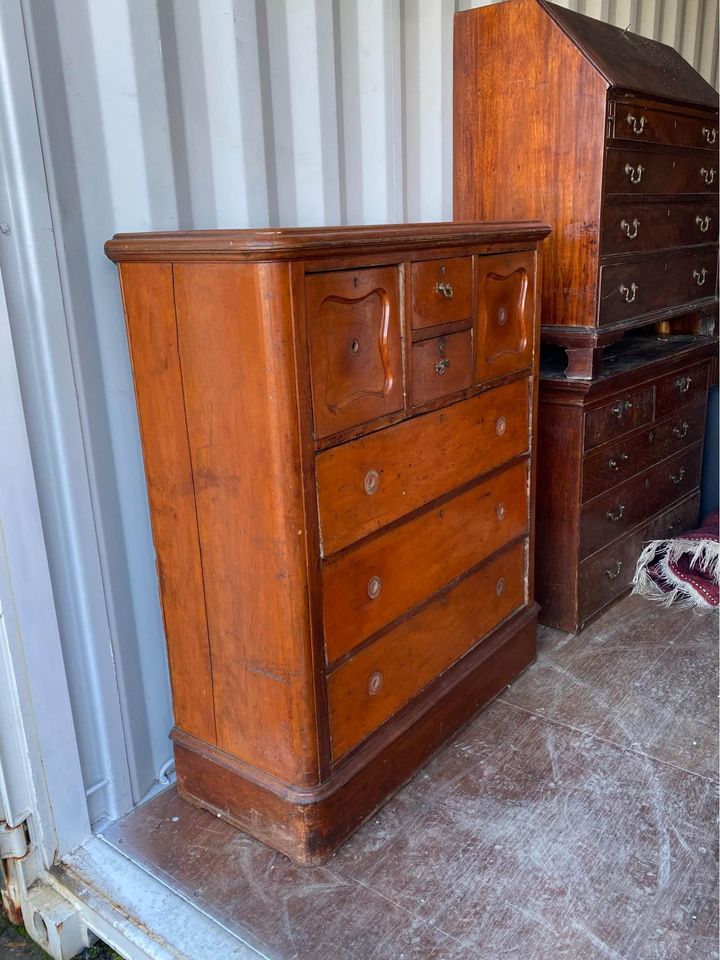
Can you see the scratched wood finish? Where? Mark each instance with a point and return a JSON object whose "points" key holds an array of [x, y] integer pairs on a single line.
{"points": [[149, 303], [574, 113], [298, 482], [640, 463]]}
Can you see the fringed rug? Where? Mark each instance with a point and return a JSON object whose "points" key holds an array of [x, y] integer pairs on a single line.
{"points": [[682, 570]]}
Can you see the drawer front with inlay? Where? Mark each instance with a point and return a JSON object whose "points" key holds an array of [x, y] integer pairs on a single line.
{"points": [[638, 172], [440, 291], [385, 675], [441, 366], [644, 122], [604, 469], [379, 580], [682, 389], [355, 347], [607, 517], [369, 482], [629, 290], [506, 305], [620, 415], [636, 227]]}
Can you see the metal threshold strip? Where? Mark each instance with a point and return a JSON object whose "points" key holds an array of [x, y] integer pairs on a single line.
{"points": [[138, 915]]}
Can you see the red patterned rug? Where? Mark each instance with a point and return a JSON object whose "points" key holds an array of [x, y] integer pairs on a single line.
{"points": [[682, 570]]}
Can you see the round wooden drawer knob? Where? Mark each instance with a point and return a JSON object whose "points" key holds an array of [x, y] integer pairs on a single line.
{"points": [[500, 586], [374, 587], [500, 426], [374, 683], [372, 482]]}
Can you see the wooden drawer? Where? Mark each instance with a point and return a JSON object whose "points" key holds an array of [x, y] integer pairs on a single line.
{"points": [[609, 573], [634, 227], [649, 123], [385, 675], [371, 585], [353, 319], [616, 463], [369, 482], [607, 517], [441, 366], [682, 389], [440, 291], [629, 290], [505, 315], [620, 415], [635, 171]]}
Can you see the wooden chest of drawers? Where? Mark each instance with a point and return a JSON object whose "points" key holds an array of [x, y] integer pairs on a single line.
{"points": [[338, 437], [619, 461], [611, 138]]}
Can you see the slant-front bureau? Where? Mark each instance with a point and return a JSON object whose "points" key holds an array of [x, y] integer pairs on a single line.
{"points": [[338, 436], [619, 462], [610, 137]]}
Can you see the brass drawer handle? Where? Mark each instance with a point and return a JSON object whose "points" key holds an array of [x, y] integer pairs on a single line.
{"points": [[637, 125], [621, 408], [707, 175], [374, 587], [371, 482], [618, 514], [614, 463], [441, 366], [446, 289], [710, 135], [629, 293], [703, 223], [677, 477], [635, 173], [700, 276], [630, 231], [682, 384], [682, 430], [614, 574]]}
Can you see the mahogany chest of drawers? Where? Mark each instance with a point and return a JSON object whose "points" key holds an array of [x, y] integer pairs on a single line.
{"points": [[619, 463], [610, 137], [337, 428]]}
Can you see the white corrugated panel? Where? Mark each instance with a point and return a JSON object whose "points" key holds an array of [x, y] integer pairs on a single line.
{"points": [[228, 113]]}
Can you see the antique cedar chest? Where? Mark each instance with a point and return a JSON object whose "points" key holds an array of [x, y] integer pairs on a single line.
{"points": [[338, 430]]}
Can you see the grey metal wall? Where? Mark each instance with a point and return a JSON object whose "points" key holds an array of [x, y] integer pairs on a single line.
{"points": [[164, 114]]}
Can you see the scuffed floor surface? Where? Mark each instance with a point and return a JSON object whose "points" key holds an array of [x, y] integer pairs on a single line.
{"points": [[574, 819]]}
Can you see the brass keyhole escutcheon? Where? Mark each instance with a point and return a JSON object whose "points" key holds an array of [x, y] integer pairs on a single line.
{"points": [[500, 426], [500, 511], [355, 345], [372, 482], [374, 587], [500, 586], [375, 682], [502, 316]]}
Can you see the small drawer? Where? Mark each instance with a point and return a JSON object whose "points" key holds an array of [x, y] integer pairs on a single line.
{"points": [[649, 123], [682, 389], [633, 171], [382, 677], [441, 366], [608, 517], [353, 319], [440, 291], [505, 314], [371, 585], [606, 468], [364, 484], [609, 573], [619, 416], [640, 227]]}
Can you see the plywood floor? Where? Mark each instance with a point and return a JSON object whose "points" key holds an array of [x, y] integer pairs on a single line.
{"points": [[574, 819]]}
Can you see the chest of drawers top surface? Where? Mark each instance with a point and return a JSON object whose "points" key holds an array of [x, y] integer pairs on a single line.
{"points": [[611, 137], [337, 431]]}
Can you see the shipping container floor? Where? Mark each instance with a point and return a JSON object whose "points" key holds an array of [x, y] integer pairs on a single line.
{"points": [[573, 819]]}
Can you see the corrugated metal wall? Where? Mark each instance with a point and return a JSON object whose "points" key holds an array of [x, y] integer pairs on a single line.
{"points": [[163, 114]]}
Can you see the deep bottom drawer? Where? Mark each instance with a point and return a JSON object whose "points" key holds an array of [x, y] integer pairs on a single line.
{"points": [[385, 675], [609, 573]]}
